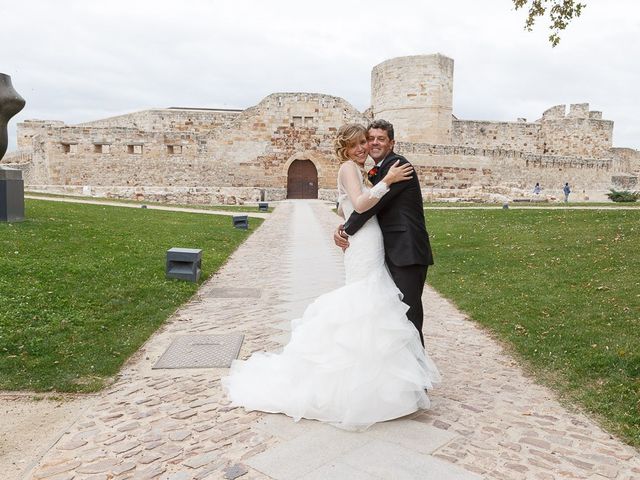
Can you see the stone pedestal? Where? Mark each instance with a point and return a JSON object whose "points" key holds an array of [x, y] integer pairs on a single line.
{"points": [[11, 195]]}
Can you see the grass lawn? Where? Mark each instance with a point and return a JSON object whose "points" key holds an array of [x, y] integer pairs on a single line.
{"points": [[83, 286], [562, 287]]}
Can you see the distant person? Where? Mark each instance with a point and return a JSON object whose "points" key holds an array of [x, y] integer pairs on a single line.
{"points": [[566, 190], [537, 189]]}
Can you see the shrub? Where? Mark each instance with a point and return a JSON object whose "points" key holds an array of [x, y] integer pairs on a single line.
{"points": [[623, 195]]}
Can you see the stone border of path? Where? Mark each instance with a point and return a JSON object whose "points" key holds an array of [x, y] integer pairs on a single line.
{"points": [[488, 420], [111, 203]]}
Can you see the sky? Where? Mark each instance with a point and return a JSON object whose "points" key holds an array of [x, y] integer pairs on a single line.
{"points": [[78, 61]]}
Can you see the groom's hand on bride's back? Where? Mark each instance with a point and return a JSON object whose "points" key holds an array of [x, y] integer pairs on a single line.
{"points": [[340, 238]]}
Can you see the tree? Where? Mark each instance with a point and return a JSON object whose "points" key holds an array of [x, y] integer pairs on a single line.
{"points": [[561, 12]]}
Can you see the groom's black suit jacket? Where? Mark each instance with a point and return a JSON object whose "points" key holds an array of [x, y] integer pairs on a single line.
{"points": [[401, 218]]}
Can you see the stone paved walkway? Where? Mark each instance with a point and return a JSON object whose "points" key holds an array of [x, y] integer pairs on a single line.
{"points": [[488, 420]]}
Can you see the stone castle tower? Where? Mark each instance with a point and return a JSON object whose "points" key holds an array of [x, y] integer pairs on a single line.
{"points": [[415, 94]]}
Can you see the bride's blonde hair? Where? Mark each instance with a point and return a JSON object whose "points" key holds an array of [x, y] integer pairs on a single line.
{"points": [[347, 135]]}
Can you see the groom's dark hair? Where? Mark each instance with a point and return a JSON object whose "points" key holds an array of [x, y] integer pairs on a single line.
{"points": [[382, 125]]}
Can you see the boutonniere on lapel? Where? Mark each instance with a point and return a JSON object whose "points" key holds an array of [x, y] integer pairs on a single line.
{"points": [[371, 174]]}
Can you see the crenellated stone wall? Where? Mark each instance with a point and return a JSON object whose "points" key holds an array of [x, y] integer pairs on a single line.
{"points": [[252, 153], [522, 136], [499, 174], [626, 159], [580, 132], [190, 155], [171, 119], [31, 129]]}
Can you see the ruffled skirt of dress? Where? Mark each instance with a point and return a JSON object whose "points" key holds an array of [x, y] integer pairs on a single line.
{"points": [[354, 359]]}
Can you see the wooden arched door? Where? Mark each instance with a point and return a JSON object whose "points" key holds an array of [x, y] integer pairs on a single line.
{"points": [[302, 180]]}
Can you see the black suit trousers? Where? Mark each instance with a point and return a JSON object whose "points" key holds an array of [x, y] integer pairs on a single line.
{"points": [[410, 281]]}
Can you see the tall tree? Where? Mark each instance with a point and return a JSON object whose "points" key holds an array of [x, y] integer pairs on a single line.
{"points": [[561, 12]]}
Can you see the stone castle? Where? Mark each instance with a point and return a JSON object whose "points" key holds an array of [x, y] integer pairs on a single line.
{"points": [[282, 147]]}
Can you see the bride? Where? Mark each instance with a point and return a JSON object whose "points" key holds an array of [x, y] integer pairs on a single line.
{"points": [[354, 358]]}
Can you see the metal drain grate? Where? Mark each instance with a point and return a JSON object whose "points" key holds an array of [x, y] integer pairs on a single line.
{"points": [[201, 351]]}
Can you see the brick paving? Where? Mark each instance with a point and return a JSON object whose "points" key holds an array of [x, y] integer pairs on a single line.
{"points": [[488, 419]]}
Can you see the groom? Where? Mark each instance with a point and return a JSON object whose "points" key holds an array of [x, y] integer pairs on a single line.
{"points": [[401, 218]]}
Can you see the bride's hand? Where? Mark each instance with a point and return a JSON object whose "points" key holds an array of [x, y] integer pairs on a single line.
{"points": [[398, 173]]}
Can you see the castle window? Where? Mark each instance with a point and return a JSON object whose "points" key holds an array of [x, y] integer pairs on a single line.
{"points": [[70, 147], [135, 149], [174, 149], [101, 148], [301, 121]]}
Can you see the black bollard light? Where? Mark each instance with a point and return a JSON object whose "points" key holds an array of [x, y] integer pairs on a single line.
{"points": [[241, 221], [184, 263]]}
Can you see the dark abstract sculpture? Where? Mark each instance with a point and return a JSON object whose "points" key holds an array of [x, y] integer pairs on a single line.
{"points": [[10, 104], [11, 183]]}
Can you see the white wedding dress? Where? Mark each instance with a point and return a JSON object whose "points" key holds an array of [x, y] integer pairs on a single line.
{"points": [[354, 358]]}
